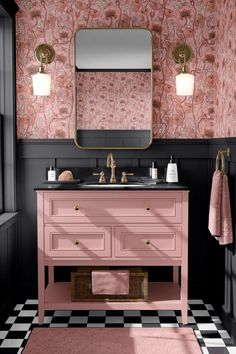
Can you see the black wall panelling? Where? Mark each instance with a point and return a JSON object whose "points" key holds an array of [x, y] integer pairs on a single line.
{"points": [[8, 222], [34, 156], [229, 308], [1, 163], [8, 263]]}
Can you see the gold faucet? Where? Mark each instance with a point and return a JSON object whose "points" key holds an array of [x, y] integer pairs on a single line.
{"points": [[112, 164]]}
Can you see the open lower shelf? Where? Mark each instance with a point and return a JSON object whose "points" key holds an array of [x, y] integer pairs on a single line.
{"points": [[162, 296]]}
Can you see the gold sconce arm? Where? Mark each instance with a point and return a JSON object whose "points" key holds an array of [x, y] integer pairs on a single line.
{"points": [[182, 54], [44, 54]]}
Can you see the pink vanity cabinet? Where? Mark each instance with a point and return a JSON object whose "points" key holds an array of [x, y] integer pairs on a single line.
{"points": [[126, 228]]}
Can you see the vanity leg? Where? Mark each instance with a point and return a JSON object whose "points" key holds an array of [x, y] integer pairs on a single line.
{"points": [[50, 274], [40, 316], [184, 265], [175, 274], [41, 266], [184, 294], [41, 291], [41, 287]]}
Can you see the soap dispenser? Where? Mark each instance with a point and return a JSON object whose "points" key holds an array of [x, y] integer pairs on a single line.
{"points": [[51, 174], [172, 172]]}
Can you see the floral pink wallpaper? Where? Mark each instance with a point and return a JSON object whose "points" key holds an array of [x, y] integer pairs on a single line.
{"points": [[225, 119], [171, 21], [113, 100]]}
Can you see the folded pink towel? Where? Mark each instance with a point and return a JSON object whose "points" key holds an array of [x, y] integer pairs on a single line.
{"points": [[220, 220], [110, 282], [214, 223], [226, 234]]}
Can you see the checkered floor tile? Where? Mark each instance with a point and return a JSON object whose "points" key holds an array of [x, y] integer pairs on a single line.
{"points": [[211, 336]]}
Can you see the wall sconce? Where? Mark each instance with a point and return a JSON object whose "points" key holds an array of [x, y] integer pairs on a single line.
{"points": [[182, 54], [44, 54]]}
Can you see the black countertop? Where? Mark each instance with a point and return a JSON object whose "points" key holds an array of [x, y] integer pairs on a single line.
{"points": [[82, 186]]}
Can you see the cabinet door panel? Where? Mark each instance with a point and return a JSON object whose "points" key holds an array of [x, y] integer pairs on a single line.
{"points": [[161, 207], [87, 241], [148, 241]]}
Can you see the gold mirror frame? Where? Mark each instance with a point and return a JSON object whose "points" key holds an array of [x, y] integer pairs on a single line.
{"points": [[75, 97]]}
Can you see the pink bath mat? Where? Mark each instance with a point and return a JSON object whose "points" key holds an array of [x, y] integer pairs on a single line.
{"points": [[112, 341]]}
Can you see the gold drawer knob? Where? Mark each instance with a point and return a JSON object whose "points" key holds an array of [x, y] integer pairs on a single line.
{"points": [[148, 208], [76, 207], [77, 242], [148, 242]]}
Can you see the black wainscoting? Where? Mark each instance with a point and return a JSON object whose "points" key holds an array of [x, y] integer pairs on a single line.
{"points": [[229, 308], [8, 261]]}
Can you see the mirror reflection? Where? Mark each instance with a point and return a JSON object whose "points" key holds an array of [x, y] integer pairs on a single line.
{"points": [[113, 88]]}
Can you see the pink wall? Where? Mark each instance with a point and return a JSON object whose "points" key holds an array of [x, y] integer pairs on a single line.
{"points": [[171, 21], [113, 100], [225, 122]]}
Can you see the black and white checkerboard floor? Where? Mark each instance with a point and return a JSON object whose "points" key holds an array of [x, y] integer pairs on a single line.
{"points": [[202, 318]]}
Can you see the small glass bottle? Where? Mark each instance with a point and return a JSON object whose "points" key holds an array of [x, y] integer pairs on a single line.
{"points": [[51, 174], [154, 170]]}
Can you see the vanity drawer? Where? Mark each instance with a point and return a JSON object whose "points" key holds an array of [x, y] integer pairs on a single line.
{"points": [[87, 241], [129, 206], [147, 241]]}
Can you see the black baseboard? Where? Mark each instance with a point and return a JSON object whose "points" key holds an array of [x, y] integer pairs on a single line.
{"points": [[7, 306], [229, 324], [27, 291]]}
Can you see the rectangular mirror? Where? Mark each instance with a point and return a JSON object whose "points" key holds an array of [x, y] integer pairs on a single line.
{"points": [[113, 88]]}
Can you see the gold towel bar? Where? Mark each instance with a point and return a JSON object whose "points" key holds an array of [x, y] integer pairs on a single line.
{"points": [[226, 152]]}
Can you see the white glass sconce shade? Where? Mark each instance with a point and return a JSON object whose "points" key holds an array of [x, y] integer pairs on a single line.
{"points": [[182, 54], [41, 84], [184, 84], [44, 54]]}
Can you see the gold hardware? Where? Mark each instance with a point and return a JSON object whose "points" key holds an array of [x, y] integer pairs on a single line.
{"points": [[76, 207], [77, 242], [148, 242], [112, 164], [44, 54], [182, 54], [124, 177], [102, 176], [227, 152], [148, 208], [221, 157]]}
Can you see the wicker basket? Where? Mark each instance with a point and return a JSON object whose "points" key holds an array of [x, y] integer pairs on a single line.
{"points": [[81, 285]]}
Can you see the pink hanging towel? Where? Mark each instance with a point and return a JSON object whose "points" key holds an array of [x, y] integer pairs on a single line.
{"points": [[214, 223], [226, 233], [220, 220]]}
